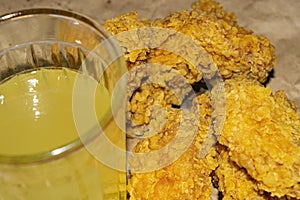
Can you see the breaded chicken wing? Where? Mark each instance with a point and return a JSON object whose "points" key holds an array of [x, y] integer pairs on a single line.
{"points": [[234, 49], [233, 182], [262, 133], [186, 178]]}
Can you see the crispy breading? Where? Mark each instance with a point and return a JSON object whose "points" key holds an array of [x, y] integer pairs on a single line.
{"points": [[262, 130], [262, 138], [262, 133], [164, 87], [234, 49], [186, 178], [233, 181]]}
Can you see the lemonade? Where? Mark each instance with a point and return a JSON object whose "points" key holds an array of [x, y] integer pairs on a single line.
{"points": [[36, 118], [37, 109]]}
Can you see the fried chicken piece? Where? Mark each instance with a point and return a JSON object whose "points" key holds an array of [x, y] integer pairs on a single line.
{"points": [[237, 52], [262, 133], [261, 160], [235, 183], [234, 49], [187, 177]]}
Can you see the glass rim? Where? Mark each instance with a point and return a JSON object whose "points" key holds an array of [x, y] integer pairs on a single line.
{"points": [[54, 11], [77, 144]]}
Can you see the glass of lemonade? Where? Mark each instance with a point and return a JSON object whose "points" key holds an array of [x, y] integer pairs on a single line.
{"points": [[58, 135]]}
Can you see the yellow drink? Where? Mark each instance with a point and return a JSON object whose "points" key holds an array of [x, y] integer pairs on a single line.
{"points": [[36, 117], [37, 109]]}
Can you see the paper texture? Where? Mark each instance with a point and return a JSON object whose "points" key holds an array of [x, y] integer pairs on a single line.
{"points": [[279, 20]]}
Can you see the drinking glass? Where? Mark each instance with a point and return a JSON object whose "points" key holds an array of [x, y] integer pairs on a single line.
{"points": [[46, 39]]}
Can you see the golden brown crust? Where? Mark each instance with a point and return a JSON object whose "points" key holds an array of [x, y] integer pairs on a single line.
{"points": [[234, 49], [233, 181], [262, 135], [262, 138], [261, 130], [186, 178]]}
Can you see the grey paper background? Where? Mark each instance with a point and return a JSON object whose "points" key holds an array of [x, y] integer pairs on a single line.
{"points": [[279, 20]]}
